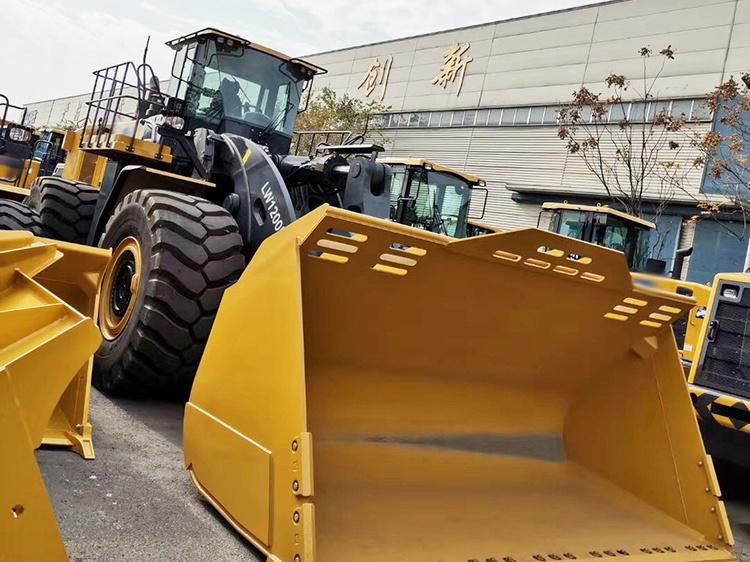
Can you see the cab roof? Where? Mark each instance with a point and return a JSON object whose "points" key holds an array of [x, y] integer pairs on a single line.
{"points": [[15, 125], [52, 129], [428, 165], [211, 33], [484, 225], [599, 209]]}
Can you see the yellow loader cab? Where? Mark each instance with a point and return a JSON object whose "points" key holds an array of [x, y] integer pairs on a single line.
{"points": [[433, 197], [720, 376], [18, 169], [604, 226], [49, 150], [478, 228]]}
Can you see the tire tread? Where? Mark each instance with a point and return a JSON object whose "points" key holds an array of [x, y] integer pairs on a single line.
{"points": [[188, 267]]}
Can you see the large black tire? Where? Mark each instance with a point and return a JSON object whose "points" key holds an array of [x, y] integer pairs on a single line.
{"points": [[190, 252], [17, 216], [66, 207]]}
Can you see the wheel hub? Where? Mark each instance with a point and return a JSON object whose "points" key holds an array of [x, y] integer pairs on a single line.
{"points": [[120, 288]]}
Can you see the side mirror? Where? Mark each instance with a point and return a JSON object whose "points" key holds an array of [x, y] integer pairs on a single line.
{"points": [[486, 193]]}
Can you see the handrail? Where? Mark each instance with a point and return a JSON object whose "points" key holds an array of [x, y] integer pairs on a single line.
{"points": [[113, 87]]}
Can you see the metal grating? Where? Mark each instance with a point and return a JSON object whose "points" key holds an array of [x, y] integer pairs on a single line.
{"points": [[726, 362]]}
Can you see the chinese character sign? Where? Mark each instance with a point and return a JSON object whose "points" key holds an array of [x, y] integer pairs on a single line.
{"points": [[30, 118], [455, 61], [377, 75]]}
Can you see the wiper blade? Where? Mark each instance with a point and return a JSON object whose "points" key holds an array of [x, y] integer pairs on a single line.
{"points": [[279, 116]]}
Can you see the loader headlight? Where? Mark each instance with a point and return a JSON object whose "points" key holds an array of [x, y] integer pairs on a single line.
{"points": [[19, 135], [730, 291], [175, 122]]}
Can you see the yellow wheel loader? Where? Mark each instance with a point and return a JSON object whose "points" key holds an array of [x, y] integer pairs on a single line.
{"points": [[431, 196], [720, 375], [195, 180], [26, 154], [608, 227], [18, 168], [423, 194]]}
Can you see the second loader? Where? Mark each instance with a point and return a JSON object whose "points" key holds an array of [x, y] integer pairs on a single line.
{"points": [[608, 227], [720, 375]]}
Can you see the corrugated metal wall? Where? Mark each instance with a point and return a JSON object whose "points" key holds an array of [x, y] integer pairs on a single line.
{"points": [[508, 158], [542, 59], [471, 150]]}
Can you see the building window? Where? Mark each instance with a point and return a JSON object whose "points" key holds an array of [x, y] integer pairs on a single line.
{"points": [[700, 111], [536, 115], [682, 109], [522, 116], [508, 117], [551, 114], [638, 112], [717, 246], [482, 117]]}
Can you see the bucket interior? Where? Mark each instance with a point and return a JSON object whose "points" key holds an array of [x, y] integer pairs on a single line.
{"points": [[474, 409]]}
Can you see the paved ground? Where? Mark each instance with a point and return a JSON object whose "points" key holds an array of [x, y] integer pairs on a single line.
{"points": [[736, 491], [147, 509], [145, 506]]}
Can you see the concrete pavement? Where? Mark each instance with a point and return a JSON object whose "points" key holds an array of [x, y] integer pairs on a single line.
{"points": [[136, 501]]}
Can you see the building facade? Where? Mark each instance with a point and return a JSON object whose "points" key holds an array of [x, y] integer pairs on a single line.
{"points": [[485, 99]]}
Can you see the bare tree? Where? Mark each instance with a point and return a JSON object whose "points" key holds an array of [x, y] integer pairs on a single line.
{"points": [[724, 151], [632, 146], [327, 111]]}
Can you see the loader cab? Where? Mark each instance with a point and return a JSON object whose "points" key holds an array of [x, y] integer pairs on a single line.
{"points": [[16, 145], [16, 139], [48, 150], [231, 85], [431, 196], [603, 226]]}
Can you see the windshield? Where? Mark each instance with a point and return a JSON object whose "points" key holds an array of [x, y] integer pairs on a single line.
{"points": [[47, 147], [569, 223], [441, 202], [241, 84], [608, 231], [625, 237], [398, 182]]}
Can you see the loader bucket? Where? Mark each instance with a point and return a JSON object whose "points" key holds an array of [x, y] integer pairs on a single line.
{"points": [[686, 330], [75, 277], [44, 345], [373, 392]]}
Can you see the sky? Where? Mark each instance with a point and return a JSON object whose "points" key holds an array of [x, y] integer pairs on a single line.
{"points": [[52, 46]]}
